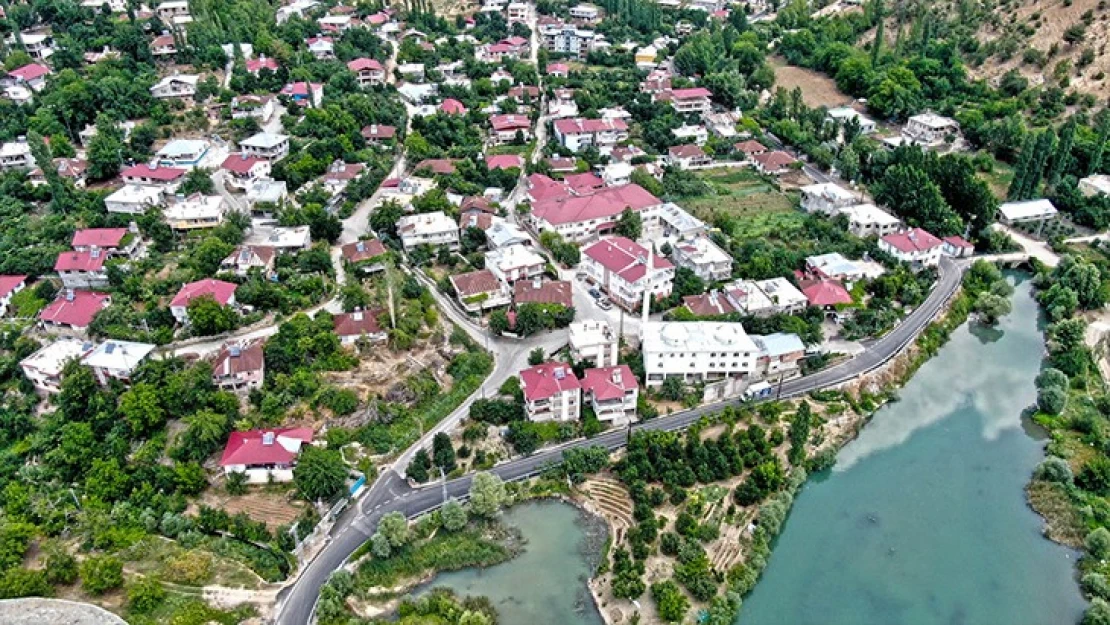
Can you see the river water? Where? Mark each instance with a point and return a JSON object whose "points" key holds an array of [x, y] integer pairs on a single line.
{"points": [[923, 520], [546, 584]]}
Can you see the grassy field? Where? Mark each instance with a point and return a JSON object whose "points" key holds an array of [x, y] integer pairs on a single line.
{"points": [[761, 209], [999, 179], [817, 88]]}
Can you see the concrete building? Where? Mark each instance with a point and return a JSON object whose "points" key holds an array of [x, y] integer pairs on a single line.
{"points": [[133, 199], [505, 128], [248, 257], [702, 256], [195, 211], [699, 351], [827, 198], [868, 220], [577, 134], [567, 39], [116, 360], [780, 355], [266, 145], [9, 286], [154, 175], [434, 229], [178, 86], [514, 262], [843, 114], [73, 310], [687, 156], [929, 129], [44, 367], [594, 342], [693, 101], [260, 107], [619, 267], [16, 155], [243, 170], [1099, 184], [1030, 211], [82, 269], [612, 392], [182, 153], [222, 292], [353, 326], [580, 219], [551, 392]]}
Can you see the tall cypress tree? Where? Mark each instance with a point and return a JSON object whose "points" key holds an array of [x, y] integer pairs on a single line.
{"points": [[1103, 121], [1021, 167], [1046, 142], [877, 45], [1062, 156]]}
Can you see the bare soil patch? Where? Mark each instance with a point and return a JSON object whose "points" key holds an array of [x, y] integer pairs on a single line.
{"points": [[817, 88]]}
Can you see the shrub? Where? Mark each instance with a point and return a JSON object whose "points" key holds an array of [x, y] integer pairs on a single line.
{"points": [[1096, 585], [145, 595], [1053, 469], [1052, 400], [1098, 543], [99, 574], [1052, 378]]}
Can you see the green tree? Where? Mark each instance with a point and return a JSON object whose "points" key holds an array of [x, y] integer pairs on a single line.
{"points": [[487, 494], [669, 601], [991, 308], [1052, 378], [453, 515], [673, 389], [1062, 158], [419, 466], [379, 546], [61, 566], [99, 574], [800, 426], [1097, 614], [1052, 400], [918, 200], [443, 452], [395, 528], [537, 356], [208, 317], [145, 595], [236, 483], [629, 224], [142, 408], [105, 154], [1097, 543], [198, 180], [320, 474]]}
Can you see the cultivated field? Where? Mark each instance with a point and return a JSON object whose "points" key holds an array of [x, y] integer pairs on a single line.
{"points": [[761, 208]]}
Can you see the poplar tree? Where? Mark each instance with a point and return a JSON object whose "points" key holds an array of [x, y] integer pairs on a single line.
{"points": [[1062, 156]]}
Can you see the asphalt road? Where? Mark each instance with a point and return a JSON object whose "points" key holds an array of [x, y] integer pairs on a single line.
{"points": [[391, 492]]}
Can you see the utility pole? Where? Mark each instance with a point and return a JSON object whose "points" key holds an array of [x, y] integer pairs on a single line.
{"points": [[778, 393]]}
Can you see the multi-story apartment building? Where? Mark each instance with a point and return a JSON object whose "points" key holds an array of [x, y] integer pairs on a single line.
{"points": [[433, 229], [612, 393], [702, 256], [594, 342], [551, 392], [576, 134], [619, 266], [697, 351], [583, 218]]}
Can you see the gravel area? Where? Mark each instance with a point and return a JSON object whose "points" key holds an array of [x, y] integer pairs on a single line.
{"points": [[36, 611]]}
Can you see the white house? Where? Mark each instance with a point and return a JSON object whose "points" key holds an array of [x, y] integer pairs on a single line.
{"points": [[696, 134], [699, 351], [260, 107], [39, 45], [705, 258], [869, 220], [177, 86], [9, 286], [619, 266], [827, 198], [480, 290], [182, 153], [243, 170], [514, 262], [577, 134], [265, 456], [929, 129], [116, 360], [82, 269], [551, 392], [288, 239], [222, 292], [583, 218], [505, 128], [593, 341], [915, 246], [1011, 213], [687, 156], [842, 114], [44, 367], [433, 229], [368, 72], [133, 199], [16, 155], [1095, 185], [195, 211], [693, 101], [268, 145]]}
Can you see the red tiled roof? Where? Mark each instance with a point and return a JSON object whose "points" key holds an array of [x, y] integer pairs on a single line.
{"points": [[475, 283], [164, 174], [379, 131], [518, 92], [826, 293], [219, 290], [377, 19], [299, 88], [504, 161], [608, 382], [451, 106], [240, 163], [359, 65], [686, 151], [583, 183], [264, 253], [235, 359], [444, 166], [579, 126], [706, 305], [88, 260], [162, 41], [557, 292], [622, 256], [515, 42], [558, 68], [9, 283], [562, 164], [257, 65], [691, 94], [774, 160], [751, 146], [607, 202], [547, 380], [542, 187], [247, 448], [312, 40], [340, 171], [29, 72], [363, 250], [100, 237], [915, 240], [77, 312], [510, 122], [71, 167], [481, 221], [956, 241], [475, 203], [357, 323]]}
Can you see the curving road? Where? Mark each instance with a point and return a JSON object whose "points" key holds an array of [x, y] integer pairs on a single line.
{"points": [[391, 492]]}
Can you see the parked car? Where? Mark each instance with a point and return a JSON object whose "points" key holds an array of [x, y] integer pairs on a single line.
{"points": [[594, 293], [604, 303]]}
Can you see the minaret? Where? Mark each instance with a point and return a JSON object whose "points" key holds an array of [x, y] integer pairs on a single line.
{"points": [[647, 290]]}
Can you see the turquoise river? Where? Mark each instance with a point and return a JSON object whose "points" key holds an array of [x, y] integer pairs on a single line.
{"points": [[922, 521]]}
